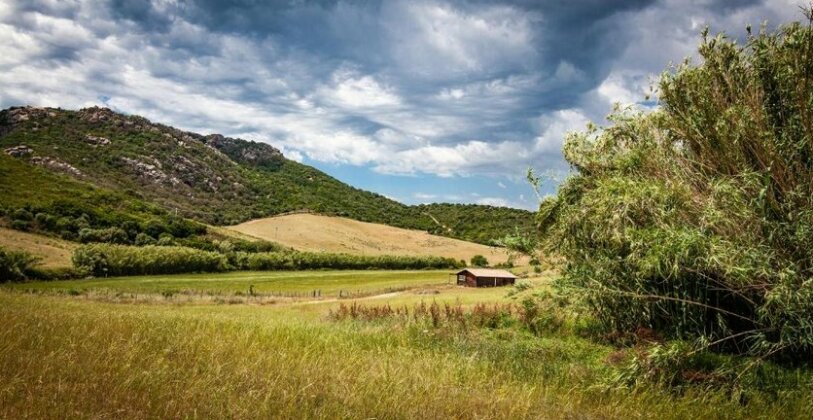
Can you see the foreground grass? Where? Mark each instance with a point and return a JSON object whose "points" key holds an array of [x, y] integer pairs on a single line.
{"points": [[61, 356]]}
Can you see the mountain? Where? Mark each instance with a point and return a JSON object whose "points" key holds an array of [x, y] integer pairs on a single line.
{"points": [[127, 168]]}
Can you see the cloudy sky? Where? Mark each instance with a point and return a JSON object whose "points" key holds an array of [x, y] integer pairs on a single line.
{"points": [[422, 101]]}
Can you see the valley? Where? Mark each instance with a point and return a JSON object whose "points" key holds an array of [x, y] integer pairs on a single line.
{"points": [[149, 271]]}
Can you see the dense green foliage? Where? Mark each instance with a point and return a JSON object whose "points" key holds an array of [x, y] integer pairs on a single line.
{"points": [[696, 220], [35, 199], [142, 168], [316, 260], [15, 266], [122, 260], [479, 261], [472, 222]]}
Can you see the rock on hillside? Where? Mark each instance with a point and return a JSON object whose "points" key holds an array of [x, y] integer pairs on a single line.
{"points": [[250, 153]]}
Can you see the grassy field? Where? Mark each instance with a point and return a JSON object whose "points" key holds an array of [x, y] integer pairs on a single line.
{"points": [[52, 252], [311, 232], [63, 355], [262, 282]]}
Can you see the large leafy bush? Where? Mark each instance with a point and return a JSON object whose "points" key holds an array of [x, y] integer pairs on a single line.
{"points": [[696, 220], [122, 260], [15, 265]]}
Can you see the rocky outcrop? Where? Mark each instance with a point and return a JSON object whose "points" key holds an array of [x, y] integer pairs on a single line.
{"points": [[190, 164], [96, 114], [16, 115], [19, 151], [149, 173], [246, 152], [97, 141], [56, 165]]}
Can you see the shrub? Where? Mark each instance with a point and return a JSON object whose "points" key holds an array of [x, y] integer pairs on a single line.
{"points": [[20, 225], [67, 224], [56, 273], [166, 239], [45, 221], [111, 235], [315, 260], [224, 246], [697, 220], [154, 228], [120, 260], [143, 239], [15, 265], [479, 261], [22, 214]]}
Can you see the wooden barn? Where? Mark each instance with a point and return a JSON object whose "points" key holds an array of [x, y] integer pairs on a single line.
{"points": [[485, 277]]}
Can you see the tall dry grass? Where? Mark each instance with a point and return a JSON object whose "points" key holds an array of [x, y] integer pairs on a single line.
{"points": [[72, 358]]}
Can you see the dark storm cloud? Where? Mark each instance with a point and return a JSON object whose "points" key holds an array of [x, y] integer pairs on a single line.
{"points": [[440, 87]]}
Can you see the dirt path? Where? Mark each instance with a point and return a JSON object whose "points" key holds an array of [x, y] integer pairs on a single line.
{"points": [[331, 300]]}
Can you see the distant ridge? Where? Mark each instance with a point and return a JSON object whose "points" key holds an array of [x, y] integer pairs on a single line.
{"points": [[207, 178]]}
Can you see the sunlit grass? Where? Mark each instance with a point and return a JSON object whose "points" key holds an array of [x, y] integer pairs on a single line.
{"points": [[327, 282], [70, 356]]}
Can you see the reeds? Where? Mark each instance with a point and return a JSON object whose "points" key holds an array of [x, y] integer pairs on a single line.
{"points": [[697, 220], [445, 315]]}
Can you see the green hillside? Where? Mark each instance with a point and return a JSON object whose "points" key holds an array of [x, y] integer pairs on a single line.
{"points": [[95, 158]]}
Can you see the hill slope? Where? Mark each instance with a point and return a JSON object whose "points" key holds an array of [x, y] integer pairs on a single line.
{"points": [[312, 232], [52, 252], [212, 179]]}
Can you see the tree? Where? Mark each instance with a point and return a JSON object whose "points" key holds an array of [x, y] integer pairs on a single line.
{"points": [[479, 261], [695, 220]]}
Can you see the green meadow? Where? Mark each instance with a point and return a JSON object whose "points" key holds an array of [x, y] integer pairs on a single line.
{"points": [[88, 354], [294, 283]]}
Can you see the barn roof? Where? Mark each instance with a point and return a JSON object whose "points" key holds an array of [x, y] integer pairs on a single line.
{"points": [[489, 272]]}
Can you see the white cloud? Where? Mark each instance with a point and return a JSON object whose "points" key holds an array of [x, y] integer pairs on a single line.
{"points": [[5, 10], [494, 201], [17, 47], [451, 94], [293, 155], [433, 40], [338, 147], [461, 159], [426, 198], [59, 32], [623, 90], [446, 89], [554, 127], [397, 139], [356, 91]]}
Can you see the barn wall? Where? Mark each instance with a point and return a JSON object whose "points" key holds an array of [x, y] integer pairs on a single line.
{"points": [[472, 281], [489, 281]]}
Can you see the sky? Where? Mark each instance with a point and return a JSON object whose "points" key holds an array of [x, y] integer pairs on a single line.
{"points": [[421, 101]]}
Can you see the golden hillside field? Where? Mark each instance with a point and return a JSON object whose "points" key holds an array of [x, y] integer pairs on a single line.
{"points": [[310, 232], [52, 251]]}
